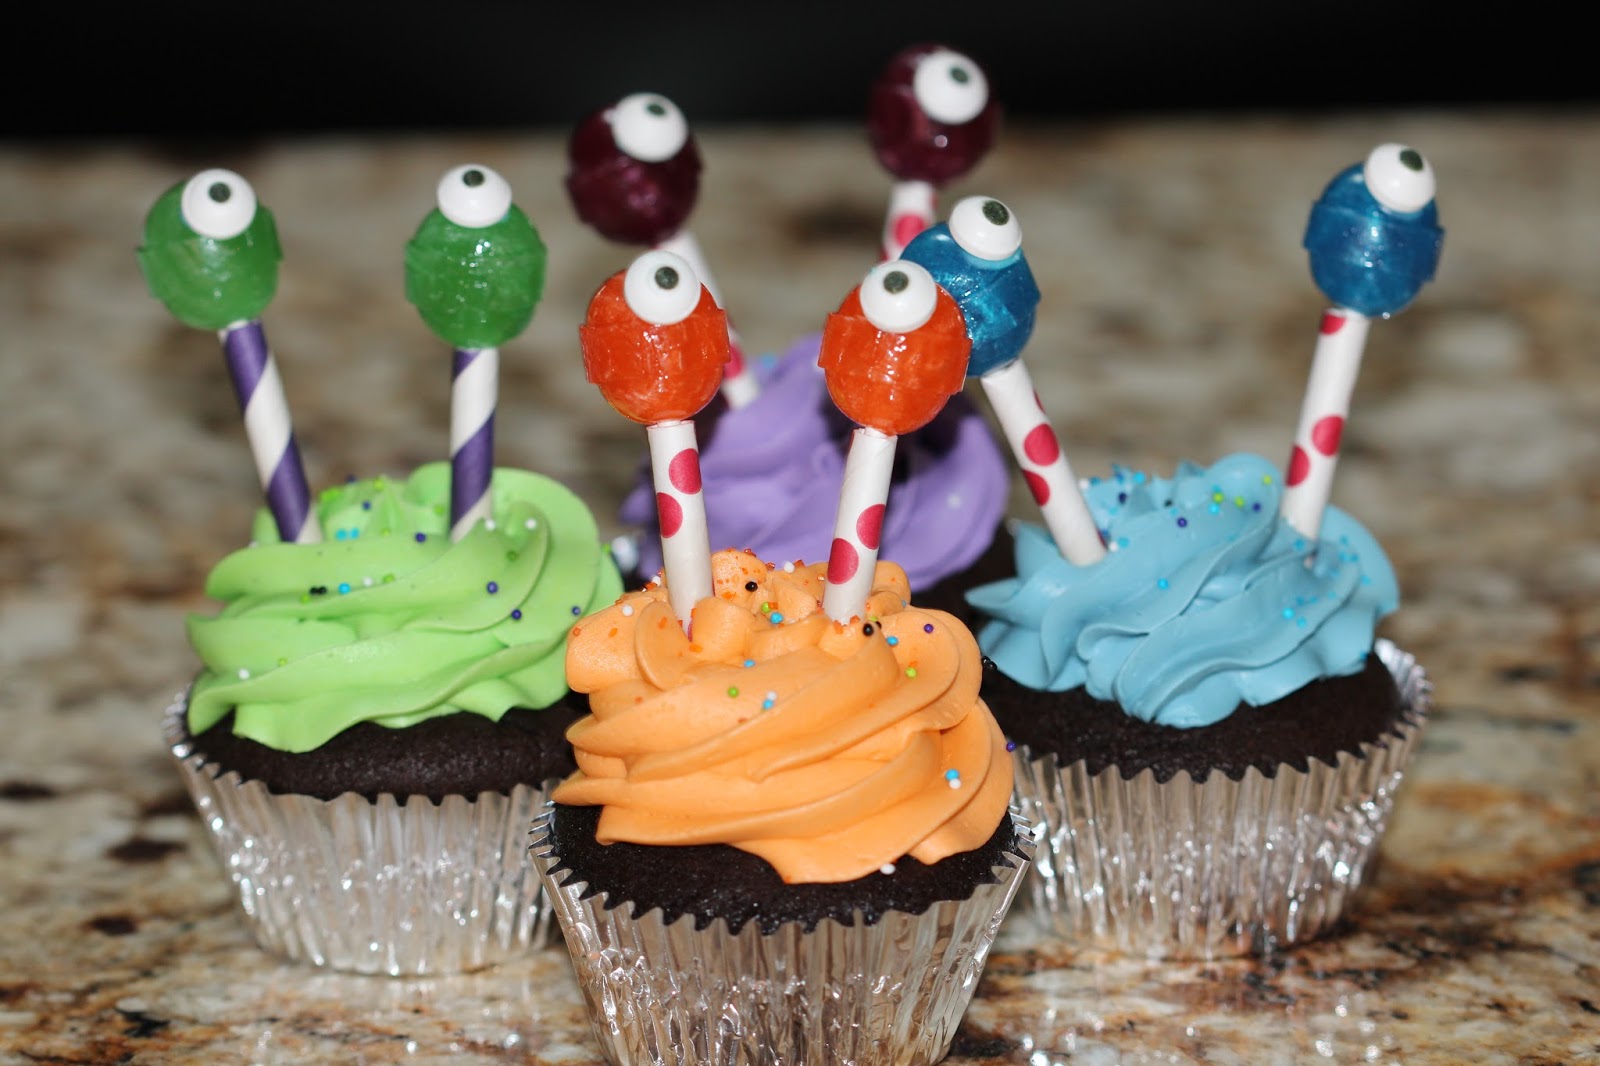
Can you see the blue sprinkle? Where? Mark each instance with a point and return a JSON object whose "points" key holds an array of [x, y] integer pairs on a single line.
{"points": [[1301, 622], [354, 533], [749, 662], [1094, 481], [516, 614], [1122, 497], [776, 617], [892, 641], [951, 775], [349, 479], [493, 587], [1011, 745], [338, 534], [421, 537], [1299, 544], [1255, 507], [766, 705], [1163, 583], [1138, 477], [928, 628], [1182, 522], [1288, 612], [1122, 542], [344, 588], [1214, 509], [366, 505], [576, 610]]}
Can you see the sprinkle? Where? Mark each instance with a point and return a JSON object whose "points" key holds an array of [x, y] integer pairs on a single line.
{"points": [[516, 614], [319, 590], [576, 610], [911, 671], [1238, 501], [1216, 494], [532, 523], [421, 537], [493, 587], [927, 627], [1288, 612], [1011, 745], [244, 675], [305, 597], [1182, 522], [887, 869], [954, 777], [366, 505], [766, 608], [1138, 477], [776, 617], [627, 610], [388, 578], [733, 691], [768, 700], [867, 630], [344, 588], [283, 662], [749, 662], [1255, 506], [788, 568], [750, 586], [340, 534], [1122, 497], [366, 582], [1301, 622], [488, 523], [1299, 544], [1214, 509], [1122, 542], [892, 641], [1266, 479], [953, 501], [1163, 583]]}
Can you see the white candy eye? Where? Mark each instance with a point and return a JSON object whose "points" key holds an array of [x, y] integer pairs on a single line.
{"points": [[473, 196], [898, 296], [950, 87], [648, 127], [1399, 178], [218, 204], [661, 288], [986, 228]]}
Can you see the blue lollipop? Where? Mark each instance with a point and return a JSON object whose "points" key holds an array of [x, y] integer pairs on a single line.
{"points": [[977, 258], [1374, 241]]}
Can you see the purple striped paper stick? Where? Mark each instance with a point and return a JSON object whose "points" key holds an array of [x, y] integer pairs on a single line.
{"points": [[474, 387], [266, 424]]}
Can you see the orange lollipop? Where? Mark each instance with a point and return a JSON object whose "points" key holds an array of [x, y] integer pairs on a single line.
{"points": [[655, 342], [893, 353]]}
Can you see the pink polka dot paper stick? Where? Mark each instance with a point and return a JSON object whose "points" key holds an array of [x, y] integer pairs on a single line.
{"points": [[681, 508], [911, 210], [655, 342], [1044, 464], [892, 355], [1374, 241], [739, 384]]}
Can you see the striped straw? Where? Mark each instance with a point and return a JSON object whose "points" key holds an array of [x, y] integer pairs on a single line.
{"points": [[474, 388], [266, 424]]}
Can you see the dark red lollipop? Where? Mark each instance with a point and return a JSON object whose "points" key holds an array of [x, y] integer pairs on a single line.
{"points": [[633, 170], [931, 116]]}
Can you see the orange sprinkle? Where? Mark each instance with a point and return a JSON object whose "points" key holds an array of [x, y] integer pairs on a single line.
{"points": [[613, 632], [695, 647], [727, 595], [661, 623], [576, 630]]}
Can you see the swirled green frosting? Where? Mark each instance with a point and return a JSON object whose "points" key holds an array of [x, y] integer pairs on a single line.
{"points": [[387, 621]]}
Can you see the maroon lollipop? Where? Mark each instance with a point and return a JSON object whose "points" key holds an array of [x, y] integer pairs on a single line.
{"points": [[931, 119], [633, 172]]}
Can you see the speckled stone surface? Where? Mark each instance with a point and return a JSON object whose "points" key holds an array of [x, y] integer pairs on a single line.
{"points": [[1178, 322]]}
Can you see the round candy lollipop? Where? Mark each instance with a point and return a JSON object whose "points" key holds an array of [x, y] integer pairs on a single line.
{"points": [[930, 118], [977, 258], [474, 270], [210, 253], [655, 342], [893, 354], [633, 175], [1374, 241]]}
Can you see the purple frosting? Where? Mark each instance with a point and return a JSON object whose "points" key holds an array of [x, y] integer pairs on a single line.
{"points": [[772, 472]]}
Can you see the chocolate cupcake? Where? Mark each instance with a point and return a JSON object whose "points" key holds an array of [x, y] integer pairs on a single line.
{"points": [[379, 716], [1203, 720], [788, 837]]}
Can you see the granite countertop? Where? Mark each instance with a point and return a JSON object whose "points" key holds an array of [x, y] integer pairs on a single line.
{"points": [[1178, 322]]}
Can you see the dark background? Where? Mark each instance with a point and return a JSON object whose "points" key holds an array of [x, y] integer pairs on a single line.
{"points": [[225, 70]]}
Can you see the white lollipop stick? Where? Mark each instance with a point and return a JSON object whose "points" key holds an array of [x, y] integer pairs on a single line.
{"points": [[681, 508], [859, 526], [739, 384], [1334, 366], [474, 391], [1044, 465], [910, 212]]}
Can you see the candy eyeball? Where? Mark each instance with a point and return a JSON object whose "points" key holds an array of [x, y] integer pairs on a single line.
{"points": [[661, 288], [949, 87], [1399, 178], [473, 196], [986, 228], [218, 204], [649, 127], [898, 296]]}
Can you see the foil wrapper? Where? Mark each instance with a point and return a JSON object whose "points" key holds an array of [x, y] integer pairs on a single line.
{"points": [[391, 887], [887, 994], [1188, 870]]}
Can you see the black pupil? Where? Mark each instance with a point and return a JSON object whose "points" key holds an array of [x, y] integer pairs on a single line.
{"points": [[655, 108], [996, 212], [959, 75], [1411, 159], [472, 179], [750, 586], [666, 278], [895, 281], [219, 192]]}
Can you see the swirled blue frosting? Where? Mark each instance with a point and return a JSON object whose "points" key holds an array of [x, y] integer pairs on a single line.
{"points": [[1207, 599]]}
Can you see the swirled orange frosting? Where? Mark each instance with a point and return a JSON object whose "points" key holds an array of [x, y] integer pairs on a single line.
{"points": [[828, 749]]}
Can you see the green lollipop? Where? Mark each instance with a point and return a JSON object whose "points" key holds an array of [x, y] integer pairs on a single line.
{"points": [[210, 251], [475, 269]]}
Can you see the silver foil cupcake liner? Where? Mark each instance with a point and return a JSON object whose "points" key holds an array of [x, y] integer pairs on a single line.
{"points": [[1180, 869], [391, 887], [887, 994]]}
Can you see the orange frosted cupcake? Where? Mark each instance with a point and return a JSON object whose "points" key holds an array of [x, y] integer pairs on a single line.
{"points": [[789, 837]]}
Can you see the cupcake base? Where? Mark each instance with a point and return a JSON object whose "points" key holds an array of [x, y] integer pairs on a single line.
{"points": [[1162, 862], [878, 986], [401, 886]]}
